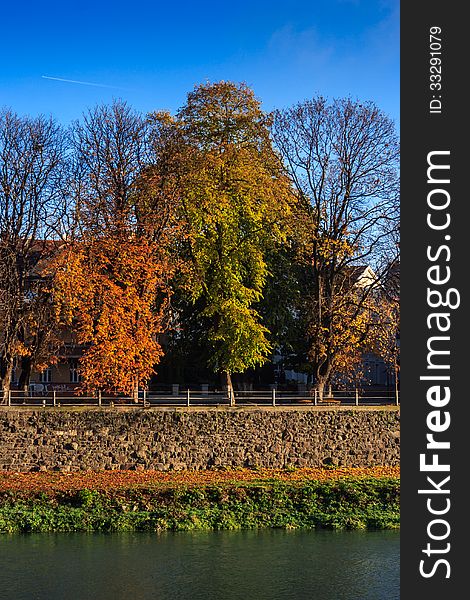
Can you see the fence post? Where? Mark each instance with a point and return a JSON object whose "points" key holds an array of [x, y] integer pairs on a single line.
{"points": [[397, 400], [54, 397], [315, 397], [273, 394], [357, 397], [99, 397], [9, 397], [187, 397]]}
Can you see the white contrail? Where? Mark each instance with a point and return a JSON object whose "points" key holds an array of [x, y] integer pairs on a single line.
{"points": [[80, 82]]}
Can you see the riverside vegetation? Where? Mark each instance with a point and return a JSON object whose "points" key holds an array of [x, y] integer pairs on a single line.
{"points": [[211, 500]]}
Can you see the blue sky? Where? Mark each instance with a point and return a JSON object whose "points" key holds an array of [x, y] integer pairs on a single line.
{"points": [[151, 53]]}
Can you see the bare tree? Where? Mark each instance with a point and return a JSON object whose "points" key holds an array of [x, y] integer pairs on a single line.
{"points": [[343, 158], [31, 218], [111, 149]]}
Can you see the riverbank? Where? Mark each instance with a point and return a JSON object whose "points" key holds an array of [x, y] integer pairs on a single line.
{"points": [[163, 439], [204, 500]]}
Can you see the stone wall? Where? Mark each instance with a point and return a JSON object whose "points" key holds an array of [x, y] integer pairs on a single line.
{"points": [[169, 439]]}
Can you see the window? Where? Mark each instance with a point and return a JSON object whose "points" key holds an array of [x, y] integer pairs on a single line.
{"points": [[46, 376], [74, 372]]}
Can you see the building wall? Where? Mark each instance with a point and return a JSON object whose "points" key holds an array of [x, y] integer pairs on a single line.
{"points": [[175, 439]]}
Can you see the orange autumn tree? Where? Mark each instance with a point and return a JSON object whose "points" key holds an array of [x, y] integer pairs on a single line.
{"points": [[112, 280], [108, 288]]}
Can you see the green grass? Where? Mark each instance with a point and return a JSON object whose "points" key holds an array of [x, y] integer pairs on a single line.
{"points": [[353, 503]]}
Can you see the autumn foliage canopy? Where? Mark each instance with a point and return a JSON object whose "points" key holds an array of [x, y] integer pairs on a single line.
{"points": [[217, 236], [108, 288]]}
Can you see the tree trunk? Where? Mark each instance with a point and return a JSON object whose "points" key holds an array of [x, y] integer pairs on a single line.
{"points": [[25, 375], [396, 384], [320, 387], [228, 386], [135, 393], [322, 379], [6, 381]]}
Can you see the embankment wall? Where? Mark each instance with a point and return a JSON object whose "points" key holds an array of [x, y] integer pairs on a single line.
{"points": [[176, 439]]}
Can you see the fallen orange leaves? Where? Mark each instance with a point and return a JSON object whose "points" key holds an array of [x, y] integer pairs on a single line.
{"points": [[111, 480]]}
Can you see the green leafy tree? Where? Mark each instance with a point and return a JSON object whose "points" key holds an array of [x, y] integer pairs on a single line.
{"points": [[234, 198]]}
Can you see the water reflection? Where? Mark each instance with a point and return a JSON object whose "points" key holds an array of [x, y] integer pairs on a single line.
{"points": [[252, 565]]}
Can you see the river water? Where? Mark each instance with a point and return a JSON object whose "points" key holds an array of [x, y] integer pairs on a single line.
{"points": [[247, 565]]}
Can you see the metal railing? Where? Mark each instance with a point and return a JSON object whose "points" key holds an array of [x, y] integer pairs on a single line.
{"points": [[270, 397]]}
